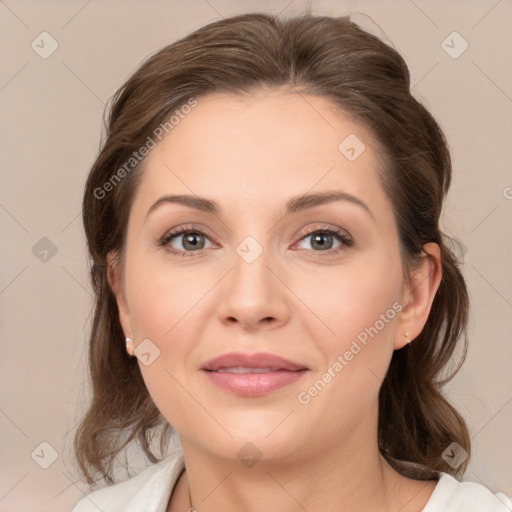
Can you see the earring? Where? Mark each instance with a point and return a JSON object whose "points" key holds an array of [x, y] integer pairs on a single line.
{"points": [[406, 334], [129, 346]]}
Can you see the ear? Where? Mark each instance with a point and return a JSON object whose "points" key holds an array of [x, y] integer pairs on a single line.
{"points": [[418, 295], [114, 277]]}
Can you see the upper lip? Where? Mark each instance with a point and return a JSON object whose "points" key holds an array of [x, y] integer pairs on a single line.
{"points": [[258, 360]]}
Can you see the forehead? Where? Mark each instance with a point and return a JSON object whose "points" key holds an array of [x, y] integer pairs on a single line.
{"points": [[268, 125], [262, 148]]}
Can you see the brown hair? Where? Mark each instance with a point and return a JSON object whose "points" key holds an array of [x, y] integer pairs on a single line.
{"points": [[369, 80]]}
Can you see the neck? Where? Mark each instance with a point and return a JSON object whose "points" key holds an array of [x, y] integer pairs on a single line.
{"points": [[344, 478], [345, 472]]}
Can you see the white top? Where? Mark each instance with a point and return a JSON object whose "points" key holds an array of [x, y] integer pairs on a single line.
{"points": [[150, 490]]}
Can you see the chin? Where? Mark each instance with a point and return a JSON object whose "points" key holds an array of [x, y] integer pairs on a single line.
{"points": [[257, 437]]}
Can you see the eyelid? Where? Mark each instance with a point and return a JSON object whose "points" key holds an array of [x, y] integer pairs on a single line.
{"points": [[323, 228]]}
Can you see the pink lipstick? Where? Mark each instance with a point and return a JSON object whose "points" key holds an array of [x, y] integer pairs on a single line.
{"points": [[252, 374]]}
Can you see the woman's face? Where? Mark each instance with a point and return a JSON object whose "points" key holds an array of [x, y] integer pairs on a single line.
{"points": [[261, 275]]}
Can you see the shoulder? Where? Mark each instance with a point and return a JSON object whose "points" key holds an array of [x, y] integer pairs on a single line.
{"points": [[450, 495], [150, 488]]}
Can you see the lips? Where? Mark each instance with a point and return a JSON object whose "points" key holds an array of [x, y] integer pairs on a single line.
{"points": [[252, 374], [260, 360]]}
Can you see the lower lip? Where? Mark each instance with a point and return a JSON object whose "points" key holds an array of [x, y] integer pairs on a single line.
{"points": [[253, 384]]}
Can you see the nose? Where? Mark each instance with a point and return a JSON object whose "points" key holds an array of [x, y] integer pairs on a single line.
{"points": [[254, 294]]}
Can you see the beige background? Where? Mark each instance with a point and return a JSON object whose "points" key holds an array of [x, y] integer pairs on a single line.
{"points": [[50, 129]]}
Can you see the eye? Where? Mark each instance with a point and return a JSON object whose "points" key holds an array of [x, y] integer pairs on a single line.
{"points": [[186, 241], [323, 239], [192, 240]]}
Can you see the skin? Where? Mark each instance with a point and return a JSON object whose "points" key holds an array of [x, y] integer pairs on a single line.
{"points": [[250, 154]]}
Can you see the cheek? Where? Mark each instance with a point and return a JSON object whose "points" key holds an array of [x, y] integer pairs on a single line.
{"points": [[357, 301], [356, 311], [166, 306], [161, 295], [355, 360]]}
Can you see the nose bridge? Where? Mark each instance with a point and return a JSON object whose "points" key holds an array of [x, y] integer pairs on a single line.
{"points": [[252, 292]]}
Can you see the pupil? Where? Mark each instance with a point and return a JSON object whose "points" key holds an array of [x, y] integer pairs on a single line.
{"points": [[191, 239], [322, 245]]}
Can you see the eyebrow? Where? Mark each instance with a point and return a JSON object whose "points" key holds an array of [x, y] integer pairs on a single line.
{"points": [[293, 205]]}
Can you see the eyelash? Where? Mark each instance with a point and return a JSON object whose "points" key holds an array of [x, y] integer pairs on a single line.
{"points": [[337, 233]]}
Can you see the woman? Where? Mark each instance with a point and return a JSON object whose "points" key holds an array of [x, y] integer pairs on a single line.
{"points": [[271, 281]]}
